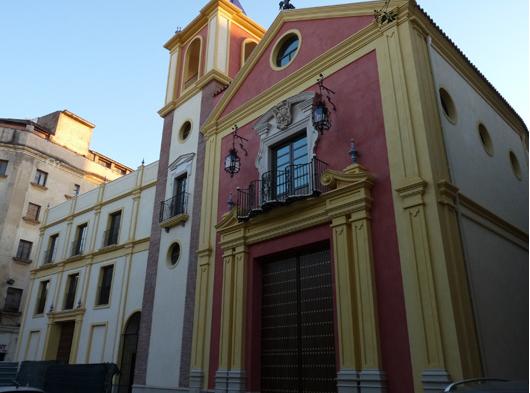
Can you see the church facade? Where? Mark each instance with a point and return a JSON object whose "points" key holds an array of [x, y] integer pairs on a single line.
{"points": [[351, 236], [340, 206]]}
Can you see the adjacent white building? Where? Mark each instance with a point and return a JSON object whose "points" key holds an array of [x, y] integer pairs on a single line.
{"points": [[42, 163], [85, 295]]}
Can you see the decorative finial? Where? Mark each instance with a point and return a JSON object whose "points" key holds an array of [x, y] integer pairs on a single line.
{"points": [[230, 202], [353, 152], [143, 161], [286, 5], [383, 15]]}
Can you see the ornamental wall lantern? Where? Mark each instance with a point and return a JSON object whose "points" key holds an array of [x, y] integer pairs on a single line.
{"points": [[321, 114], [232, 160]]}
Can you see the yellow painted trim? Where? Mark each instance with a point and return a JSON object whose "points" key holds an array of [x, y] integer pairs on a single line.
{"points": [[99, 205], [496, 224], [236, 14], [347, 208], [278, 45]]}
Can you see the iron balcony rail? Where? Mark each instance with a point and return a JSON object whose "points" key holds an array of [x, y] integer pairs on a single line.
{"points": [[110, 237], [78, 247], [281, 187], [49, 255], [174, 206]]}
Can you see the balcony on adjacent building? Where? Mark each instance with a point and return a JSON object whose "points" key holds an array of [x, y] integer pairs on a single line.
{"points": [[49, 256], [280, 187], [78, 247], [174, 211]]}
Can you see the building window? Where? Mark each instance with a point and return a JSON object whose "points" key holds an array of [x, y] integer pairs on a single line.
{"points": [[13, 298], [248, 48], [448, 105], [52, 249], [24, 250], [41, 178], [174, 254], [78, 246], [185, 131], [3, 167], [77, 189], [290, 175], [41, 299], [179, 195], [286, 50], [105, 285], [516, 167], [191, 69], [485, 138], [33, 212], [71, 288], [113, 231]]}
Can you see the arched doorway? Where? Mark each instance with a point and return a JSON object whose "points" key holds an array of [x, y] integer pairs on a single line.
{"points": [[128, 353]]}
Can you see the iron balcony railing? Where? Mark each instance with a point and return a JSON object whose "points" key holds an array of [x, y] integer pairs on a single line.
{"points": [[78, 247], [281, 187], [174, 206], [110, 237], [49, 255]]}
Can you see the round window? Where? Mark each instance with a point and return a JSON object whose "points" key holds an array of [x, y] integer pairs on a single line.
{"points": [[286, 50], [448, 105], [185, 131], [174, 254], [485, 139], [516, 167]]}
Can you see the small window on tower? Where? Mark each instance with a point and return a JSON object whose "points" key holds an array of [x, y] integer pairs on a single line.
{"points": [[191, 69], [248, 48]]}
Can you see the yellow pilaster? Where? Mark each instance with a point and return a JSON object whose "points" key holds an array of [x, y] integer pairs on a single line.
{"points": [[345, 294], [439, 316], [239, 308]]}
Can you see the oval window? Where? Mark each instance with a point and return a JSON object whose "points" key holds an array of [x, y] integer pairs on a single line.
{"points": [[485, 139], [448, 105], [287, 50], [174, 254], [185, 131], [516, 167]]}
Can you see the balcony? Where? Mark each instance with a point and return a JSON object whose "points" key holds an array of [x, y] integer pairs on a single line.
{"points": [[110, 237], [49, 256], [278, 188], [78, 247], [174, 211]]}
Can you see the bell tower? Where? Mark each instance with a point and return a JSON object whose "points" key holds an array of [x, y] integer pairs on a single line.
{"points": [[204, 57], [214, 46]]}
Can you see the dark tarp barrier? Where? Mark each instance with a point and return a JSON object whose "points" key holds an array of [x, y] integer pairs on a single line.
{"points": [[80, 378]]}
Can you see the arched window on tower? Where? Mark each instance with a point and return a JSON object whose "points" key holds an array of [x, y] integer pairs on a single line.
{"points": [[248, 48], [191, 68]]}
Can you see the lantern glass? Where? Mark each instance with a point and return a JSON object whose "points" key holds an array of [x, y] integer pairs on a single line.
{"points": [[232, 162], [321, 120]]}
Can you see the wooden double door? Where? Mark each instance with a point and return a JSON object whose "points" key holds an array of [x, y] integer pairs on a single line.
{"points": [[297, 324]]}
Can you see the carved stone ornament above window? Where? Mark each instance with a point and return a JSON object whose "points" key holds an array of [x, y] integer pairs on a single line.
{"points": [[290, 117], [282, 113]]}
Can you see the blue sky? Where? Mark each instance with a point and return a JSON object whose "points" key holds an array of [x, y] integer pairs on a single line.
{"points": [[104, 60]]}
